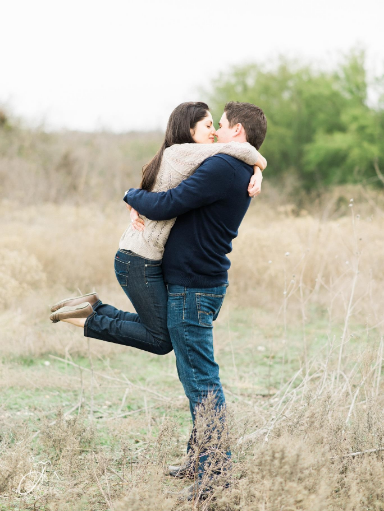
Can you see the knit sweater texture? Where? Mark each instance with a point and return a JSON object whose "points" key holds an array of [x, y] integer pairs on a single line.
{"points": [[179, 162]]}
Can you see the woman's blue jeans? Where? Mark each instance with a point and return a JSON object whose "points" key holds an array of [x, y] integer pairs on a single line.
{"points": [[142, 281]]}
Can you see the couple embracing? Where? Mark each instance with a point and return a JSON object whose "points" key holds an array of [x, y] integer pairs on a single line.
{"points": [[172, 260]]}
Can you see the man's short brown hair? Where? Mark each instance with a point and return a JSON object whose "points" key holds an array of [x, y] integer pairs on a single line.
{"points": [[251, 117]]}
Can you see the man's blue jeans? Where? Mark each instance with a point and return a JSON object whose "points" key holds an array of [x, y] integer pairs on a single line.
{"points": [[191, 313]]}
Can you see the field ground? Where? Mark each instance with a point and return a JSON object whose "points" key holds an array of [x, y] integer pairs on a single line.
{"points": [[127, 397], [89, 426]]}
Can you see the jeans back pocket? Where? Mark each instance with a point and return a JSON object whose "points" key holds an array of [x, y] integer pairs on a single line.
{"points": [[208, 307], [122, 271]]}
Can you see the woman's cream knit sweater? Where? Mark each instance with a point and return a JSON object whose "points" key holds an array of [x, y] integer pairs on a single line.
{"points": [[179, 162]]}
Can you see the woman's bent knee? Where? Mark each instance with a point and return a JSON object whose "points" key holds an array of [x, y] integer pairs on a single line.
{"points": [[164, 348]]}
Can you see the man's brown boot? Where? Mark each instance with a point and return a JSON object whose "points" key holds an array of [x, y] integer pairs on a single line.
{"points": [[92, 298], [181, 471]]}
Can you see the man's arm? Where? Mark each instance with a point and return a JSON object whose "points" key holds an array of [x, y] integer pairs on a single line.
{"points": [[210, 183]]}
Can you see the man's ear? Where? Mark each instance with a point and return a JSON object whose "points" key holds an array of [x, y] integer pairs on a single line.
{"points": [[239, 130]]}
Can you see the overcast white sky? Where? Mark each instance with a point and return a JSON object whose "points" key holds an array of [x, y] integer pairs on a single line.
{"points": [[124, 64]]}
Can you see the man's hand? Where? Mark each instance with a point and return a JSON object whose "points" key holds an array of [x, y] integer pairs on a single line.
{"points": [[137, 223], [254, 187]]}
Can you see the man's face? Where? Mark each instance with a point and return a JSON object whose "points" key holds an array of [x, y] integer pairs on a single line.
{"points": [[225, 133]]}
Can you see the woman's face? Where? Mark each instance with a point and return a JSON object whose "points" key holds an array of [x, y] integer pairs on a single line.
{"points": [[204, 131]]}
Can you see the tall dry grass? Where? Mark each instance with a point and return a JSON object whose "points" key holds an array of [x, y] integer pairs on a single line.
{"points": [[71, 167], [305, 267], [314, 443], [311, 259], [309, 447]]}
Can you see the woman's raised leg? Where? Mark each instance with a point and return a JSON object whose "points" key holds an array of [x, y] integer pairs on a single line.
{"points": [[142, 281]]}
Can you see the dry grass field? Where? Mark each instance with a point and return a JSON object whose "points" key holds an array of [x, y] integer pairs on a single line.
{"points": [[89, 426]]}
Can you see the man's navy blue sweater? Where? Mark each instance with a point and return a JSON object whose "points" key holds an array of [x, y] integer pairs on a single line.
{"points": [[209, 207]]}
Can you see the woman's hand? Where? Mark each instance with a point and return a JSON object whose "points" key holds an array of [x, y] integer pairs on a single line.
{"points": [[137, 223], [254, 187]]}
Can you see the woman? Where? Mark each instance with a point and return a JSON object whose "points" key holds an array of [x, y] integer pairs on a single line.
{"points": [[189, 140]]}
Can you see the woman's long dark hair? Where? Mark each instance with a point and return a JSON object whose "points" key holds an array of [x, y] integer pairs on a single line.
{"points": [[181, 121]]}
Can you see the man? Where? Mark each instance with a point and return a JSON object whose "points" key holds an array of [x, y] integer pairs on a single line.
{"points": [[209, 207]]}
